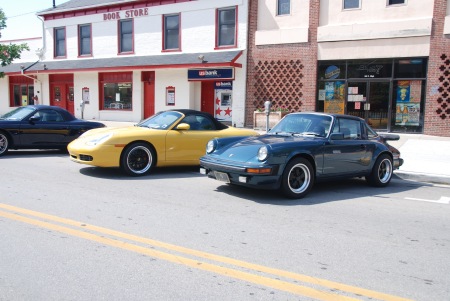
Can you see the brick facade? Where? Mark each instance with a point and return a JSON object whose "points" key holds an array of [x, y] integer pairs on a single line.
{"points": [[284, 74], [437, 105]]}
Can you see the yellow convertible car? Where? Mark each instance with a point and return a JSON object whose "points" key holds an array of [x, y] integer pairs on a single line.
{"points": [[169, 138]]}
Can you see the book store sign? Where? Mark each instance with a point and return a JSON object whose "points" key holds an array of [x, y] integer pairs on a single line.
{"points": [[131, 13], [211, 74]]}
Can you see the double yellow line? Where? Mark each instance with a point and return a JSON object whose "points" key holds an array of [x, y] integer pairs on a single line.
{"points": [[319, 289]]}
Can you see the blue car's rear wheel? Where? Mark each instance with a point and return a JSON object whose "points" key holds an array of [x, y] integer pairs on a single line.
{"points": [[298, 178], [137, 159], [4, 144], [381, 172]]}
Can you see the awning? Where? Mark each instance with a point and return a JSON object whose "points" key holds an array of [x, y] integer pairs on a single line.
{"points": [[166, 61]]}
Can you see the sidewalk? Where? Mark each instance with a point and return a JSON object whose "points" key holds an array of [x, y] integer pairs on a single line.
{"points": [[426, 158]]}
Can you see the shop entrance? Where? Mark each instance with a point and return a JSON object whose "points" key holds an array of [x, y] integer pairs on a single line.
{"points": [[370, 101], [61, 91]]}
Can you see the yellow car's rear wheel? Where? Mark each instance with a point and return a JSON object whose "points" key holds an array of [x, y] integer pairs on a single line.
{"points": [[137, 159]]}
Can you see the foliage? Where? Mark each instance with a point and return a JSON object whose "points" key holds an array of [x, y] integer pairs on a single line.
{"points": [[10, 52]]}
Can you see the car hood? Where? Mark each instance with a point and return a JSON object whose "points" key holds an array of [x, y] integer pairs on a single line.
{"points": [[129, 131], [246, 150]]}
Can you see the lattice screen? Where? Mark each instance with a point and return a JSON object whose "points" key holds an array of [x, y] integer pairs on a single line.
{"points": [[444, 88], [279, 82]]}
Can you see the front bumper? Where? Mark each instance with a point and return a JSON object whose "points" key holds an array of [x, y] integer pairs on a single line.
{"points": [[239, 175], [101, 156]]}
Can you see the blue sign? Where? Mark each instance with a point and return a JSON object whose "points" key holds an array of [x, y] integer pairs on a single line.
{"points": [[211, 74]]}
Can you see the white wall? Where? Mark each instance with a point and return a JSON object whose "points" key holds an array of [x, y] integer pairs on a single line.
{"points": [[374, 30]]}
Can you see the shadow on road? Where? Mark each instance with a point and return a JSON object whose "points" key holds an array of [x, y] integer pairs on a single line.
{"points": [[323, 192]]}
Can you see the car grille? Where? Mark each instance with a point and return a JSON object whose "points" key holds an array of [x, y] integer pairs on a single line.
{"points": [[86, 158]]}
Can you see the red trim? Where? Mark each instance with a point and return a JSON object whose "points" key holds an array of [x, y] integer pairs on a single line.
{"points": [[79, 41], [235, 29], [54, 43], [164, 34], [119, 36], [107, 8]]}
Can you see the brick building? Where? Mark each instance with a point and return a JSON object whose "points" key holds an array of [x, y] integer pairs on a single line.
{"points": [[387, 61]]}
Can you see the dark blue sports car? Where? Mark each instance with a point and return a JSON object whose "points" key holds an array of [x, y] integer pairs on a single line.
{"points": [[40, 127], [301, 149]]}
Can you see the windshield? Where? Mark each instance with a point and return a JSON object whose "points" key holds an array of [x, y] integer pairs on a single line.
{"points": [[161, 121], [304, 125], [18, 114]]}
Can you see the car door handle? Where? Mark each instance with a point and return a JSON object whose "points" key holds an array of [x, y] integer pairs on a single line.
{"points": [[363, 146]]}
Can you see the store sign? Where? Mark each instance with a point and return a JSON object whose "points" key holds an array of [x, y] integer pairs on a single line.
{"points": [[209, 74], [332, 72], [131, 13], [224, 85], [370, 71]]}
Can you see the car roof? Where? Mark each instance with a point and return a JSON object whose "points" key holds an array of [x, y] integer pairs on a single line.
{"points": [[67, 115], [335, 115], [188, 112]]}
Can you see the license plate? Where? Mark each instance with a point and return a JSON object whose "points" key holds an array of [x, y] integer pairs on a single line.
{"points": [[221, 176]]}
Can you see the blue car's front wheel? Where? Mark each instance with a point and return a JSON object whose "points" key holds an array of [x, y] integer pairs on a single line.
{"points": [[298, 178]]}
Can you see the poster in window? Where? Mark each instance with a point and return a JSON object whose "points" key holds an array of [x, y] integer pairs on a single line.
{"points": [[334, 97], [408, 103], [170, 96]]}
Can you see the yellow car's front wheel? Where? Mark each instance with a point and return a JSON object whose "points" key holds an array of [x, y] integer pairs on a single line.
{"points": [[137, 159]]}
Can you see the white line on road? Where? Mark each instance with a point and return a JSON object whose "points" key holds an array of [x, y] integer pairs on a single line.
{"points": [[442, 200]]}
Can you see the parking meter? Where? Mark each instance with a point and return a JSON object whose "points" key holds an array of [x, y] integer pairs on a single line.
{"points": [[267, 106]]}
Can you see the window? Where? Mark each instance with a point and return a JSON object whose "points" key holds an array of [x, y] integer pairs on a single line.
{"points": [[125, 36], [283, 7], [60, 42], [116, 90], [84, 40], [394, 2], [171, 32], [352, 4], [226, 27]]}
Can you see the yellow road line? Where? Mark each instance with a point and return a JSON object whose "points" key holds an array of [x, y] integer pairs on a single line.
{"points": [[193, 263]]}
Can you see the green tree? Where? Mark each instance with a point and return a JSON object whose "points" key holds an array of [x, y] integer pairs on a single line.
{"points": [[8, 53]]}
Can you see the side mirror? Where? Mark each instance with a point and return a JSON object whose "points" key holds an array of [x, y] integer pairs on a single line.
{"points": [[337, 136], [183, 127], [34, 118]]}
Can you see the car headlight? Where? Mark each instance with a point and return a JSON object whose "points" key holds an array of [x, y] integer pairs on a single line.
{"points": [[210, 146], [263, 153], [99, 139]]}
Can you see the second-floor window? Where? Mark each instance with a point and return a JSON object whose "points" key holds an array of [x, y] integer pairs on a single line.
{"points": [[352, 4], [60, 42], [226, 27], [125, 36], [394, 2], [84, 38], [283, 7], [171, 31]]}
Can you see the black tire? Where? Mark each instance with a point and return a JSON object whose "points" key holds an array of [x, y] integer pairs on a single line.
{"points": [[4, 144], [381, 172], [298, 178], [138, 159]]}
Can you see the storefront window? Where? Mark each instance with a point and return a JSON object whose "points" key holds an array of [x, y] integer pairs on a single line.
{"points": [[376, 68], [408, 104], [332, 70], [117, 96], [410, 68], [388, 93]]}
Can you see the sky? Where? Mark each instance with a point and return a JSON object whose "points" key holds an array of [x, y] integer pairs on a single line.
{"points": [[22, 21]]}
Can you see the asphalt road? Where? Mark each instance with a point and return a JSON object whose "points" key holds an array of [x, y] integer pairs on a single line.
{"points": [[73, 232]]}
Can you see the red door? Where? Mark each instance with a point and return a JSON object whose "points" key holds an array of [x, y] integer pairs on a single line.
{"points": [[61, 91], [207, 97], [148, 77]]}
